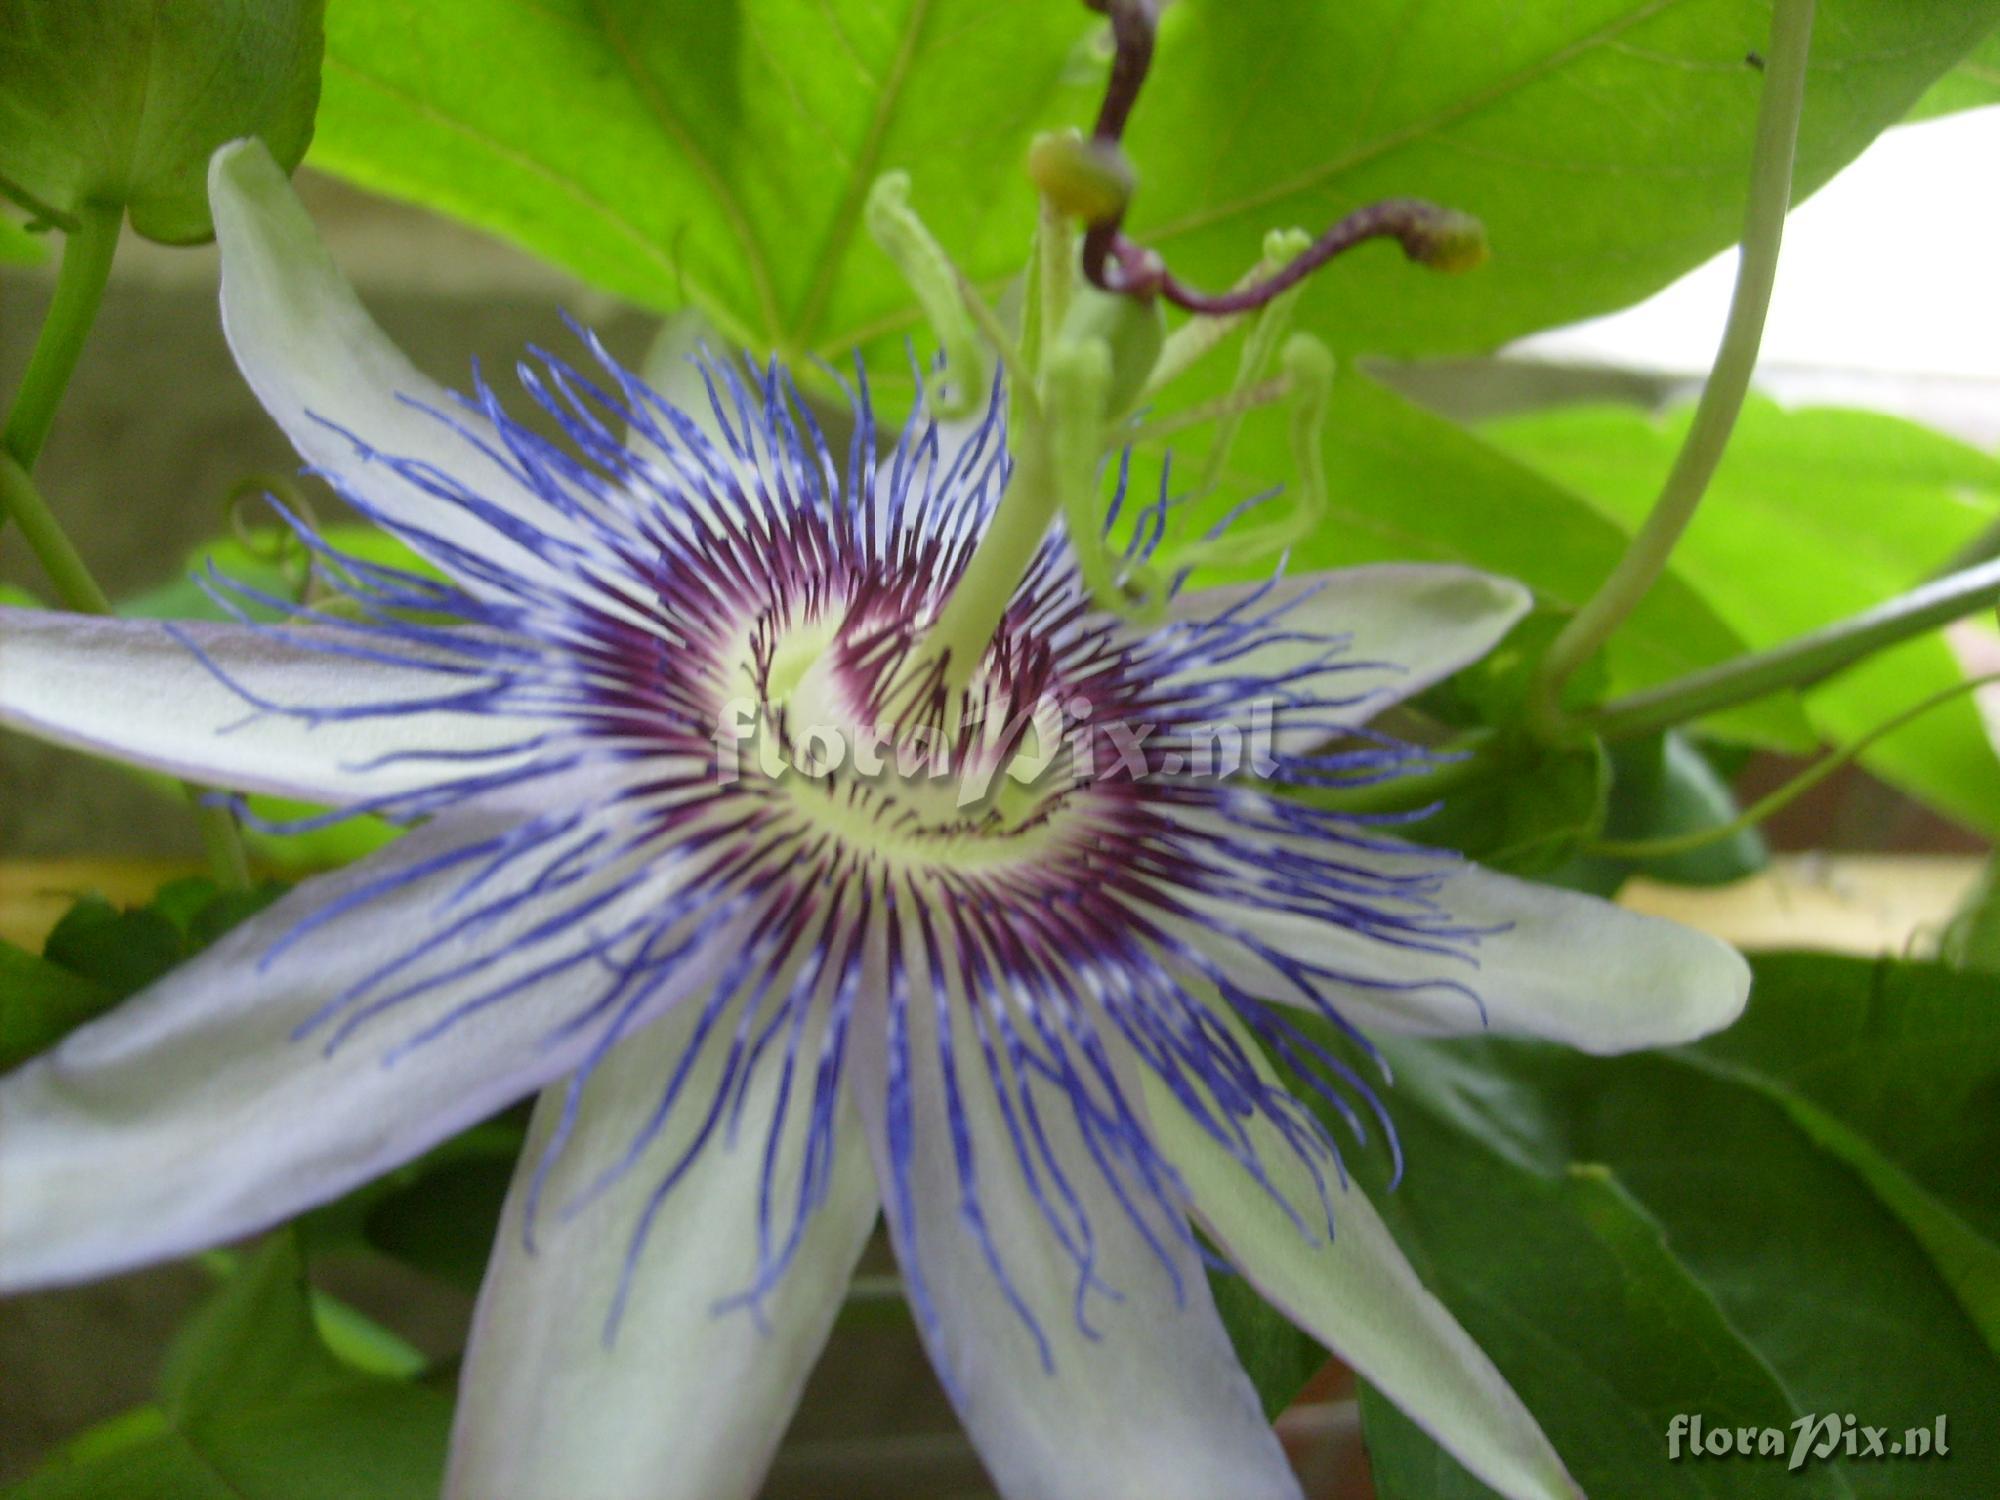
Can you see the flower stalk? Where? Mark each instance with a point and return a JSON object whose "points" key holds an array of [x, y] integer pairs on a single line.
{"points": [[1799, 663], [973, 613], [1728, 381], [1775, 802], [86, 266], [19, 498]]}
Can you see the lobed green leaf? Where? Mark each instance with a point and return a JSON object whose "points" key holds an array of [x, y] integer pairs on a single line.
{"points": [[686, 152], [715, 155]]}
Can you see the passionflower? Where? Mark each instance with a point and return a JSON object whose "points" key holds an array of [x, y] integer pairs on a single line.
{"points": [[792, 926]]}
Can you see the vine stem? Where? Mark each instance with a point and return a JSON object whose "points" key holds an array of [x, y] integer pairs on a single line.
{"points": [[1728, 381], [221, 840], [1791, 791], [86, 266], [1802, 662], [51, 545], [978, 602]]}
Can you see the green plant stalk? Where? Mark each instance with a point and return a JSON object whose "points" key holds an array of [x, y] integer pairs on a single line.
{"points": [[977, 604], [1982, 547], [79, 591], [1055, 280], [1250, 398], [1728, 382], [1798, 786], [875, 1302], [46, 539], [1798, 663], [86, 266], [221, 841]]}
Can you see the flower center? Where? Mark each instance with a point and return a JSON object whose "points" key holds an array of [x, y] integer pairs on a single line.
{"points": [[920, 783]]}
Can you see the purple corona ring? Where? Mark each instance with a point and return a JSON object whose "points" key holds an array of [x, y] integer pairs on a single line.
{"points": [[793, 924]]}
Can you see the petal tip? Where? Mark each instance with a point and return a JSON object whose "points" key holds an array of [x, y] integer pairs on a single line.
{"points": [[233, 162]]}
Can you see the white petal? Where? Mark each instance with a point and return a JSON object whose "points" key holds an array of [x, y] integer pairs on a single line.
{"points": [[685, 1401], [198, 1112], [1405, 626], [140, 691], [1357, 1294], [1152, 1402], [314, 356], [1550, 963]]}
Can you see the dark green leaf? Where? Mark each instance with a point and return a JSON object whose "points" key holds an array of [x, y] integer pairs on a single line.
{"points": [[124, 951], [253, 1342], [1814, 515], [1821, 1174], [182, 901], [166, 1467], [437, 1213], [97, 955], [254, 1407], [1530, 809], [224, 909], [444, 1222], [1279, 1358], [40, 1001], [1605, 143], [1663, 788], [1614, 1337], [122, 101], [1900, 1062], [121, 951]]}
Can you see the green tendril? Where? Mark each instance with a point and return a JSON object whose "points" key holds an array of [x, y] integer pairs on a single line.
{"points": [[902, 235], [1769, 200], [1077, 379], [1768, 806], [1307, 381]]}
